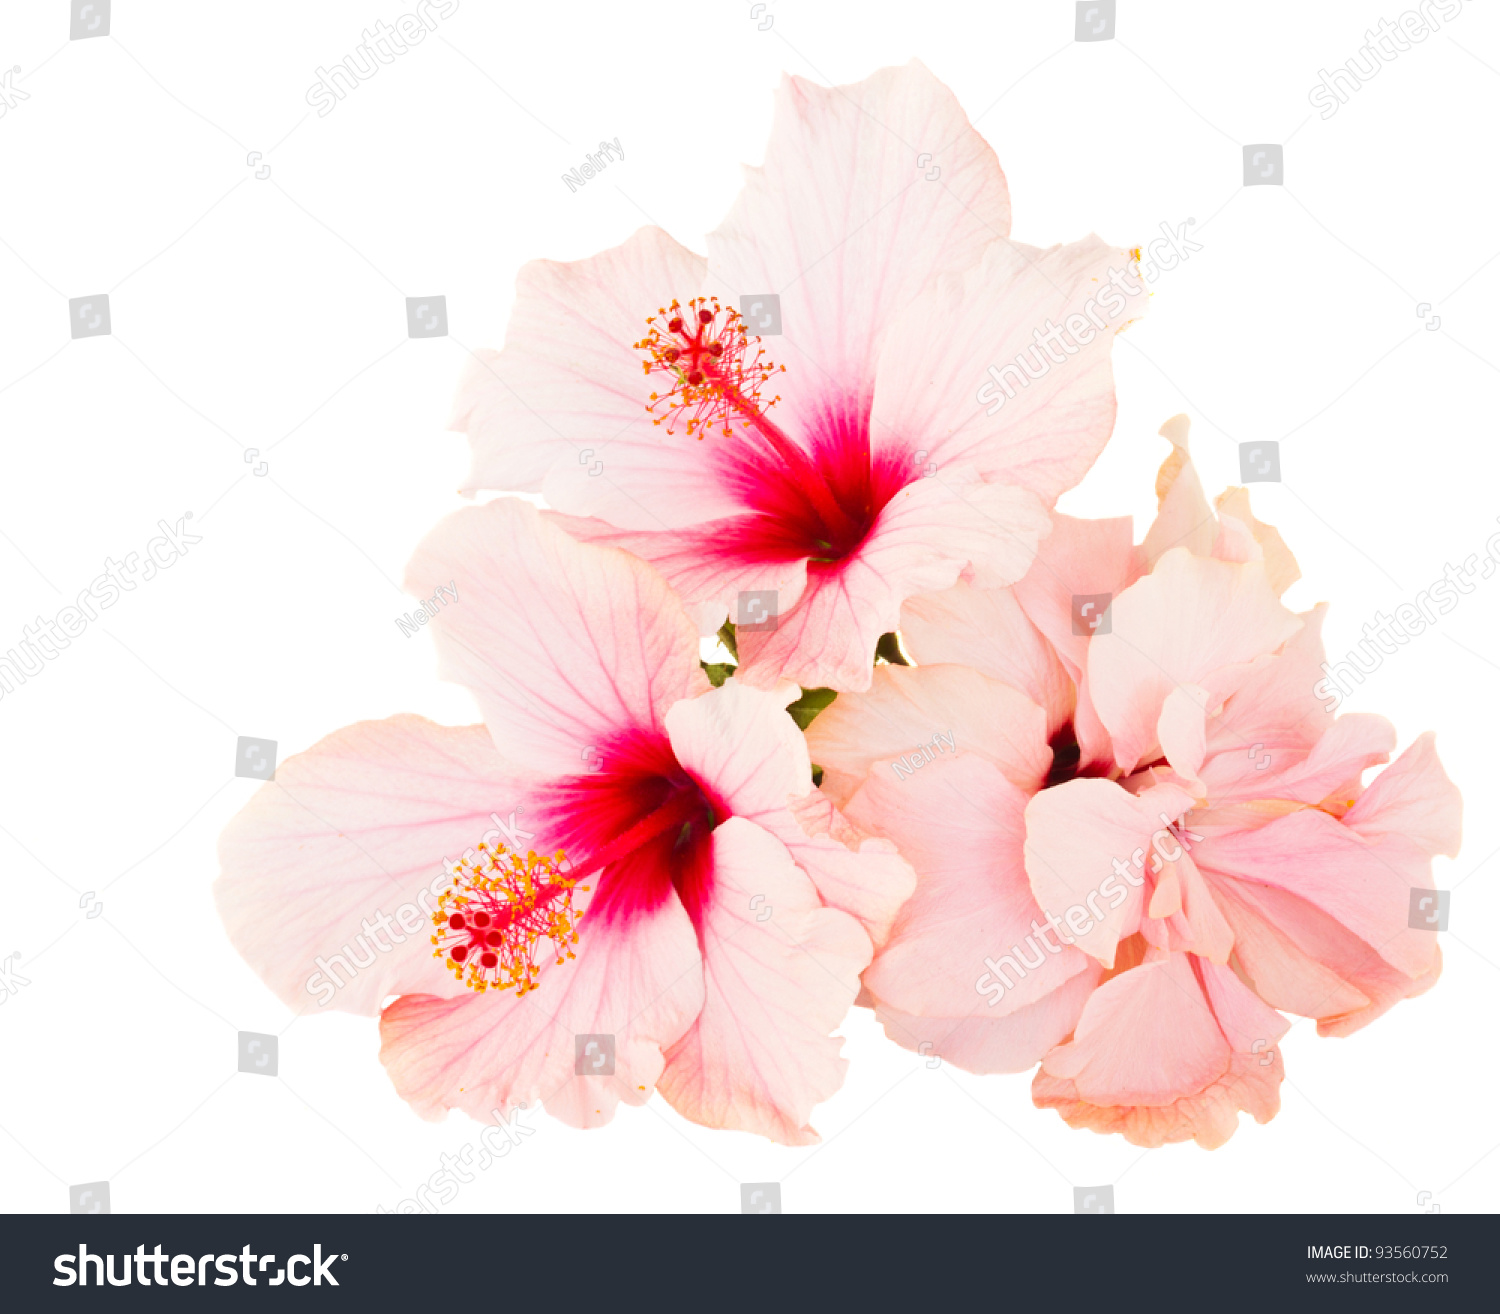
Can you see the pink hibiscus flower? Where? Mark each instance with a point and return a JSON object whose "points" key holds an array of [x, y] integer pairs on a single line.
{"points": [[688, 894], [935, 385], [1137, 842]]}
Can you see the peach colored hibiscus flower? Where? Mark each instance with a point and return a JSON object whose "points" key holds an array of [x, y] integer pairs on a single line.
{"points": [[1195, 851], [690, 893], [875, 459]]}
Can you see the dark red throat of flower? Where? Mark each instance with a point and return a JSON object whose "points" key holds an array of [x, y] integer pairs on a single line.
{"points": [[491, 919], [714, 375]]}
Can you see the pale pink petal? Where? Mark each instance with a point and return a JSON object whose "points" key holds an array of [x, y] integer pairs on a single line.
{"points": [[1182, 732], [760, 1055], [925, 537], [843, 223], [1044, 321], [1281, 566], [1183, 518], [972, 901], [909, 707], [568, 390], [1353, 744], [1188, 1020], [980, 1043], [360, 829], [743, 746], [1413, 799], [1363, 882], [1080, 836], [705, 573], [563, 644], [989, 630], [1191, 621], [639, 981]]}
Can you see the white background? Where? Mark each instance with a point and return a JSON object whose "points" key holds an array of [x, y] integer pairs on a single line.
{"points": [[269, 314]]}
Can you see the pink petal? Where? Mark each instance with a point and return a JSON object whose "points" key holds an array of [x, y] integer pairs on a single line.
{"points": [[907, 707], [1363, 882], [1188, 1020], [743, 746], [1191, 621], [760, 1055], [1183, 518], [935, 391], [1281, 566], [360, 828], [1414, 800], [1076, 832], [841, 222], [959, 822], [700, 565], [641, 982], [563, 644], [980, 1043], [568, 390]]}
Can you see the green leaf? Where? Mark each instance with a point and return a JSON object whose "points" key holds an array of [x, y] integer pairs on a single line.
{"points": [[717, 672], [807, 707], [817, 774], [726, 637]]}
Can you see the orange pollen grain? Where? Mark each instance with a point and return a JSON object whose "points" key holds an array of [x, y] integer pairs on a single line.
{"points": [[714, 368], [490, 920]]}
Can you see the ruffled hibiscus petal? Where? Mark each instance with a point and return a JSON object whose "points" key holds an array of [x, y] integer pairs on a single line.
{"points": [[564, 645], [1076, 834], [1189, 622], [843, 222], [360, 828], [982, 1044], [971, 938], [989, 630], [1183, 518], [760, 1056], [639, 981], [923, 712]]}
